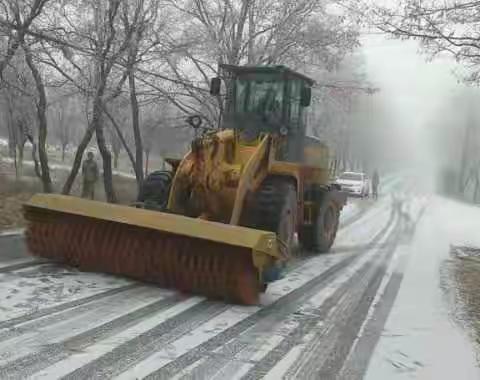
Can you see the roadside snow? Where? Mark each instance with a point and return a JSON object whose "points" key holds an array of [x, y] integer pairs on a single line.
{"points": [[28, 290], [420, 340], [67, 167], [350, 210]]}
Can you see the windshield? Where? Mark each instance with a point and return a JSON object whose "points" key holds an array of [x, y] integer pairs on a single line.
{"points": [[262, 97], [352, 176]]}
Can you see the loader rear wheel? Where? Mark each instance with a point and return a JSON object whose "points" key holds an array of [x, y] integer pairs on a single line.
{"points": [[155, 190], [320, 236]]}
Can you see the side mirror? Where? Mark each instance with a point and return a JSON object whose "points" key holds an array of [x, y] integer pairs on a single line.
{"points": [[306, 97], [215, 85]]}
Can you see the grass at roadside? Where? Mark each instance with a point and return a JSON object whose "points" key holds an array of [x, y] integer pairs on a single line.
{"points": [[12, 195], [466, 272], [468, 278], [14, 192]]}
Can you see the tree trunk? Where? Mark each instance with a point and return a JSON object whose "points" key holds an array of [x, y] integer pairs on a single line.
{"points": [[147, 159], [42, 122], [251, 33], [136, 128], [12, 141], [102, 146], [77, 161], [115, 159], [121, 137], [19, 160], [36, 165]]}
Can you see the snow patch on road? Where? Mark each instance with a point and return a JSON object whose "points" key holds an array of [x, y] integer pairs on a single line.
{"points": [[104, 346], [28, 290]]}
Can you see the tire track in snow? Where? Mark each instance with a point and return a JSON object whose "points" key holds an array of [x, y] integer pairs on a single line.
{"points": [[50, 316], [362, 348], [51, 353], [138, 348], [282, 307], [64, 306], [330, 346], [341, 339], [298, 325]]}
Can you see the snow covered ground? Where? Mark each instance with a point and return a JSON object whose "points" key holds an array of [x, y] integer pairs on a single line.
{"points": [[330, 317], [28, 290], [420, 339], [56, 321]]}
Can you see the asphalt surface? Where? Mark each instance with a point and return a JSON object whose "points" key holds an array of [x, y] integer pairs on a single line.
{"points": [[317, 323]]}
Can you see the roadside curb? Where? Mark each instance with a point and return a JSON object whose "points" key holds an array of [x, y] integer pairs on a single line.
{"points": [[16, 232]]}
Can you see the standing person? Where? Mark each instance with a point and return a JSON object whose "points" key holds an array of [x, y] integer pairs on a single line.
{"points": [[375, 183], [90, 176]]}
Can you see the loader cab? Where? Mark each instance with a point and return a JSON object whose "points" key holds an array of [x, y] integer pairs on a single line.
{"points": [[265, 99]]}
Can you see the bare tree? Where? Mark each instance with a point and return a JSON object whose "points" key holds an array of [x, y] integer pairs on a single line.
{"points": [[15, 21], [443, 27], [41, 106], [100, 44], [18, 92], [296, 33], [149, 128], [63, 128], [118, 129], [341, 100], [138, 20]]}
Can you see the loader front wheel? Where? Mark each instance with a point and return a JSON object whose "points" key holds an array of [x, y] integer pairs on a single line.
{"points": [[155, 190], [274, 208]]}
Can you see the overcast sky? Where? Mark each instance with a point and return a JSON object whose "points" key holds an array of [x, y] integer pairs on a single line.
{"points": [[413, 91]]}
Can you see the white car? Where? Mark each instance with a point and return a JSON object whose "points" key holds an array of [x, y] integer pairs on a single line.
{"points": [[353, 183]]}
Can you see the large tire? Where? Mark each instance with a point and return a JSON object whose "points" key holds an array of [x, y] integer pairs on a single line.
{"points": [[155, 190], [320, 236], [274, 208]]}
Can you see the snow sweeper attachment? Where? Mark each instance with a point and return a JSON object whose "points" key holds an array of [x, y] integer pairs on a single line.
{"points": [[192, 255]]}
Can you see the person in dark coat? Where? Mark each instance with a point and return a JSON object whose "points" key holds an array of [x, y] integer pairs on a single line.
{"points": [[90, 176], [375, 184]]}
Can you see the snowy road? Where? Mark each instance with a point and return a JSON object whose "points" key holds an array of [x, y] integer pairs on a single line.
{"points": [[58, 323]]}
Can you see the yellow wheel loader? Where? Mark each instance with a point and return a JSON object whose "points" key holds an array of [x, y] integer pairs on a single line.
{"points": [[223, 222]]}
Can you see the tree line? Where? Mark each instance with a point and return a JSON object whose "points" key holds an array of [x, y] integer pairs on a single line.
{"points": [[116, 71]]}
